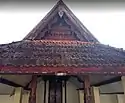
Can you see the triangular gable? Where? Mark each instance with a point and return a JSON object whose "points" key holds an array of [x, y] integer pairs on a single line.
{"points": [[61, 23]]}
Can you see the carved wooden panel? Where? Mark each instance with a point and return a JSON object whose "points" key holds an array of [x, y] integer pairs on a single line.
{"points": [[59, 29]]}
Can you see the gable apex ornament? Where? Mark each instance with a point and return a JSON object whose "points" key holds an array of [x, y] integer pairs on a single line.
{"points": [[61, 12], [60, 1]]}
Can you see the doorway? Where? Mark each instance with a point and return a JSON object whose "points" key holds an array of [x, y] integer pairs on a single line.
{"points": [[55, 90]]}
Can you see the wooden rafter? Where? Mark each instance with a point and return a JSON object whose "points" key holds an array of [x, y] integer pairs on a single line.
{"points": [[112, 93], [105, 82], [113, 80], [27, 86], [10, 83]]}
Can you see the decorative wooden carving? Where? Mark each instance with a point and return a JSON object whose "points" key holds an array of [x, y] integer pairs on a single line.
{"points": [[87, 90], [32, 97], [58, 29]]}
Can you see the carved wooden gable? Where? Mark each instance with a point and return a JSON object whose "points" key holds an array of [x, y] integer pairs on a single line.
{"points": [[59, 28], [61, 24]]}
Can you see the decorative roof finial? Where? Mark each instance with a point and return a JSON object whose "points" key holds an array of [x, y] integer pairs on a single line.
{"points": [[60, 12], [60, 2]]}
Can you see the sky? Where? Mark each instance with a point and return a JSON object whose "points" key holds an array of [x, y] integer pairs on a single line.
{"points": [[106, 23]]}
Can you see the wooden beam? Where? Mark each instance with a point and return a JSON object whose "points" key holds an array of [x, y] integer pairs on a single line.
{"points": [[112, 93], [18, 95], [10, 83], [108, 93], [87, 90], [115, 79], [65, 70], [78, 78], [112, 80], [32, 97], [28, 84]]}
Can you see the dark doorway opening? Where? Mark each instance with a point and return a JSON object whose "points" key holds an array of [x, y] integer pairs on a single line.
{"points": [[55, 90]]}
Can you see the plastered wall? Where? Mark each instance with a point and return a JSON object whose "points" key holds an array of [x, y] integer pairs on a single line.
{"points": [[72, 96], [6, 99], [40, 92], [72, 93], [10, 99], [108, 98]]}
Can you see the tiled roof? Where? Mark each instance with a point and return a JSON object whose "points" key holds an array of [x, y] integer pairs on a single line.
{"points": [[50, 53]]}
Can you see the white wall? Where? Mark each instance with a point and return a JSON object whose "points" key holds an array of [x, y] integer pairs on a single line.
{"points": [[40, 92], [10, 99], [6, 99], [108, 98], [72, 93]]}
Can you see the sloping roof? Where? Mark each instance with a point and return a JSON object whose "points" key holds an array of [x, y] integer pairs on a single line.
{"points": [[83, 32], [50, 53], [39, 55]]}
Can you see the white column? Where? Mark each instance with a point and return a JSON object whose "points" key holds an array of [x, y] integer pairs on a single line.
{"points": [[123, 84], [47, 91], [63, 92], [96, 94], [18, 95], [120, 98], [25, 98], [81, 96]]}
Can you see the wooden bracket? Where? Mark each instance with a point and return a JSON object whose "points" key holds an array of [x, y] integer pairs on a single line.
{"points": [[32, 97]]}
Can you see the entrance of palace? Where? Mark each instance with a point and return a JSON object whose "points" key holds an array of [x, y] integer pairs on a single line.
{"points": [[55, 90]]}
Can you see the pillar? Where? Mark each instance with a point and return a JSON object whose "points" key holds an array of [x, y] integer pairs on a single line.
{"points": [[123, 84], [81, 96], [18, 95], [33, 86], [96, 94], [25, 98], [120, 98], [87, 90], [63, 92], [47, 91], [28, 95], [64, 95]]}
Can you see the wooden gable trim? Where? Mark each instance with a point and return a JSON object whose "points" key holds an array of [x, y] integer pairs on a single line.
{"points": [[84, 32], [61, 70]]}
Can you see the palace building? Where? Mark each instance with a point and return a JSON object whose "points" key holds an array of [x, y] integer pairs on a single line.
{"points": [[60, 61]]}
